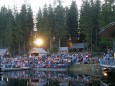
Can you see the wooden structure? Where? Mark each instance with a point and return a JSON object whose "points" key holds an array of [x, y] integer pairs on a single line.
{"points": [[108, 66], [37, 52], [109, 32]]}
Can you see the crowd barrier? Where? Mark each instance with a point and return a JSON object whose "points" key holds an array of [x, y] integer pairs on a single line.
{"points": [[110, 62]]}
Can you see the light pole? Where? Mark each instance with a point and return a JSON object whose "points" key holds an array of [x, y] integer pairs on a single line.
{"points": [[0, 64], [37, 40], [35, 30]]}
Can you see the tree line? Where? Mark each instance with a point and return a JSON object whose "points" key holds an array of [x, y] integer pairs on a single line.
{"points": [[56, 24]]}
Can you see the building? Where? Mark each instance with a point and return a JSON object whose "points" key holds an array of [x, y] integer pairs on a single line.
{"points": [[109, 32], [108, 66], [37, 52], [78, 46]]}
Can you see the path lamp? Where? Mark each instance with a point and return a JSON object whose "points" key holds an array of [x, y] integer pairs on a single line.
{"points": [[105, 72], [108, 73]]}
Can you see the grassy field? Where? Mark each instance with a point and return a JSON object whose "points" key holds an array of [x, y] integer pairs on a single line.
{"points": [[89, 69]]}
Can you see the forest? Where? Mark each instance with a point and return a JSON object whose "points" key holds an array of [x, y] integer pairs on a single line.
{"points": [[56, 24]]}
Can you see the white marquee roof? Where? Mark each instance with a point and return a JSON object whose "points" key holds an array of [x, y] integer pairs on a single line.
{"points": [[37, 50]]}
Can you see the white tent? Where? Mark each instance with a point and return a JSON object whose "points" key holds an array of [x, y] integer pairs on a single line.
{"points": [[37, 52], [4, 53], [63, 49]]}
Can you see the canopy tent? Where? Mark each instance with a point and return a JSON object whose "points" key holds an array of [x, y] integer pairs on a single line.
{"points": [[63, 49], [4, 53], [78, 45], [37, 52]]}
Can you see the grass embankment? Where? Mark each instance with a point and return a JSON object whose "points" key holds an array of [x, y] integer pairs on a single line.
{"points": [[89, 69]]}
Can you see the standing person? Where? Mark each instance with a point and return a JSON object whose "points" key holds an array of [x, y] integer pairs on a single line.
{"points": [[88, 55], [108, 58], [103, 55]]}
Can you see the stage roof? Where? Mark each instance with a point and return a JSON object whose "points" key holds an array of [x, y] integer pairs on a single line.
{"points": [[108, 31]]}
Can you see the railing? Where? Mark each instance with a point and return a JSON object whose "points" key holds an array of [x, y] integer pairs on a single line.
{"points": [[107, 62]]}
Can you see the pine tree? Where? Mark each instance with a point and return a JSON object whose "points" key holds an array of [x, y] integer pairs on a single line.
{"points": [[72, 21]]}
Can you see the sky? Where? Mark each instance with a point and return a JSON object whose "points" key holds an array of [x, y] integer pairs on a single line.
{"points": [[35, 4]]}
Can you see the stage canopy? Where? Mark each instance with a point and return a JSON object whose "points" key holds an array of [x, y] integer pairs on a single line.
{"points": [[37, 52]]}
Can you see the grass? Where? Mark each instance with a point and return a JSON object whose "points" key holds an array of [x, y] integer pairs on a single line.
{"points": [[82, 69]]}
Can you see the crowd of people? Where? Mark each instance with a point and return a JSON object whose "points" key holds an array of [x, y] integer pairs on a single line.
{"points": [[107, 58], [48, 61]]}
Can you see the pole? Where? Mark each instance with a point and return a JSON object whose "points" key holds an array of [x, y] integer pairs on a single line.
{"points": [[91, 40], [50, 44], [0, 65], [114, 48], [59, 41], [113, 45]]}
